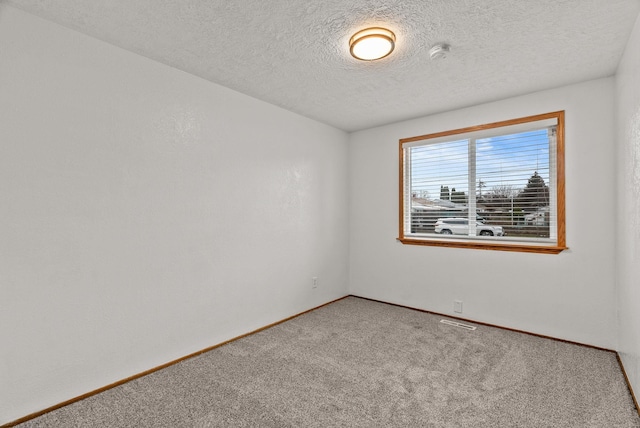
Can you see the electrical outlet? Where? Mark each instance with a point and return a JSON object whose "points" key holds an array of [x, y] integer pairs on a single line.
{"points": [[314, 282], [457, 306]]}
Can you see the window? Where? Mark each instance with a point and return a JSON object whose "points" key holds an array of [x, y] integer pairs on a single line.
{"points": [[498, 186]]}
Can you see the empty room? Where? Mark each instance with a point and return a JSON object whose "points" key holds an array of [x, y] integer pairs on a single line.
{"points": [[320, 213]]}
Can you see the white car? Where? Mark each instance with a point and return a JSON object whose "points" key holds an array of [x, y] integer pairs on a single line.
{"points": [[460, 226]]}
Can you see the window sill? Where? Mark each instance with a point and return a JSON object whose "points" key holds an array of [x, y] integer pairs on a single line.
{"points": [[523, 248]]}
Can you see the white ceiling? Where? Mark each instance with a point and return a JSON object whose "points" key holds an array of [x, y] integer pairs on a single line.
{"points": [[294, 53]]}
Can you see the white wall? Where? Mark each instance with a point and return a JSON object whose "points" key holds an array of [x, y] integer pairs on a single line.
{"points": [[569, 296], [628, 248], [147, 214]]}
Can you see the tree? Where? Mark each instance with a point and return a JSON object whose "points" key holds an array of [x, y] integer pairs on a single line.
{"points": [[500, 196], [535, 194]]}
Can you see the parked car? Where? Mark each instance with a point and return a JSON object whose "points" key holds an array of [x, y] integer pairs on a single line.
{"points": [[460, 226], [425, 220]]}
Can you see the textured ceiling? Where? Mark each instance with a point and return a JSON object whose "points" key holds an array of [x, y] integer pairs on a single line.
{"points": [[294, 53]]}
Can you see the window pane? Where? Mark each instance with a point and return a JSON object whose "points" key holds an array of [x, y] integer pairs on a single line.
{"points": [[494, 186], [513, 183], [439, 182]]}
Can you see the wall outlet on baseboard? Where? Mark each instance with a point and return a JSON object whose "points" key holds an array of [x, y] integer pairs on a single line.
{"points": [[457, 306], [314, 282]]}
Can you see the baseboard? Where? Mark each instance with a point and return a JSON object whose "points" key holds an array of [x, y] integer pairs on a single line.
{"points": [[626, 378], [485, 324], [171, 363], [155, 369]]}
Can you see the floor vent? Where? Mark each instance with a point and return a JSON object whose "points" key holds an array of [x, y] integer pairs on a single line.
{"points": [[458, 324]]}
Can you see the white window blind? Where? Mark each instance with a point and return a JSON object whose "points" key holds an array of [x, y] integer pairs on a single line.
{"points": [[502, 180]]}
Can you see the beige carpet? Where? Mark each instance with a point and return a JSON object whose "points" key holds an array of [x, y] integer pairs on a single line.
{"points": [[357, 363]]}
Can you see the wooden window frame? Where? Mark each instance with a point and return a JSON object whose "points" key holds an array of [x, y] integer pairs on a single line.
{"points": [[515, 246]]}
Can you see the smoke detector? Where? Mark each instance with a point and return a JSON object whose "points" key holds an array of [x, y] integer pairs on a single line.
{"points": [[439, 51]]}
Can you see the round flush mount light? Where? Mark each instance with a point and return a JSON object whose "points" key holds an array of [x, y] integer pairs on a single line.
{"points": [[372, 43]]}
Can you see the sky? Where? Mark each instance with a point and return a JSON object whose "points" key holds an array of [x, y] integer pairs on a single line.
{"points": [[508, 160]]}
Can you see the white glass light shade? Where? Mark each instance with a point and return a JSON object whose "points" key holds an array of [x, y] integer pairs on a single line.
{"points": [[372, 43]]}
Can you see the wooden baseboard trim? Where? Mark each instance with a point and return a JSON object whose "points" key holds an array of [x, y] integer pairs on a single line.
{"points": [[155, 369], [624, 373], [626, 378], [195, 354], [486, 324]]}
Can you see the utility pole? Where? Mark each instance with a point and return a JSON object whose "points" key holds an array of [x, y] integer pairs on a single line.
{"points": [[480, 186]]}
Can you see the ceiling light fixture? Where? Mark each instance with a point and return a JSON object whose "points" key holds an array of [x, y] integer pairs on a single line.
{"points": [[372, 43]]}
